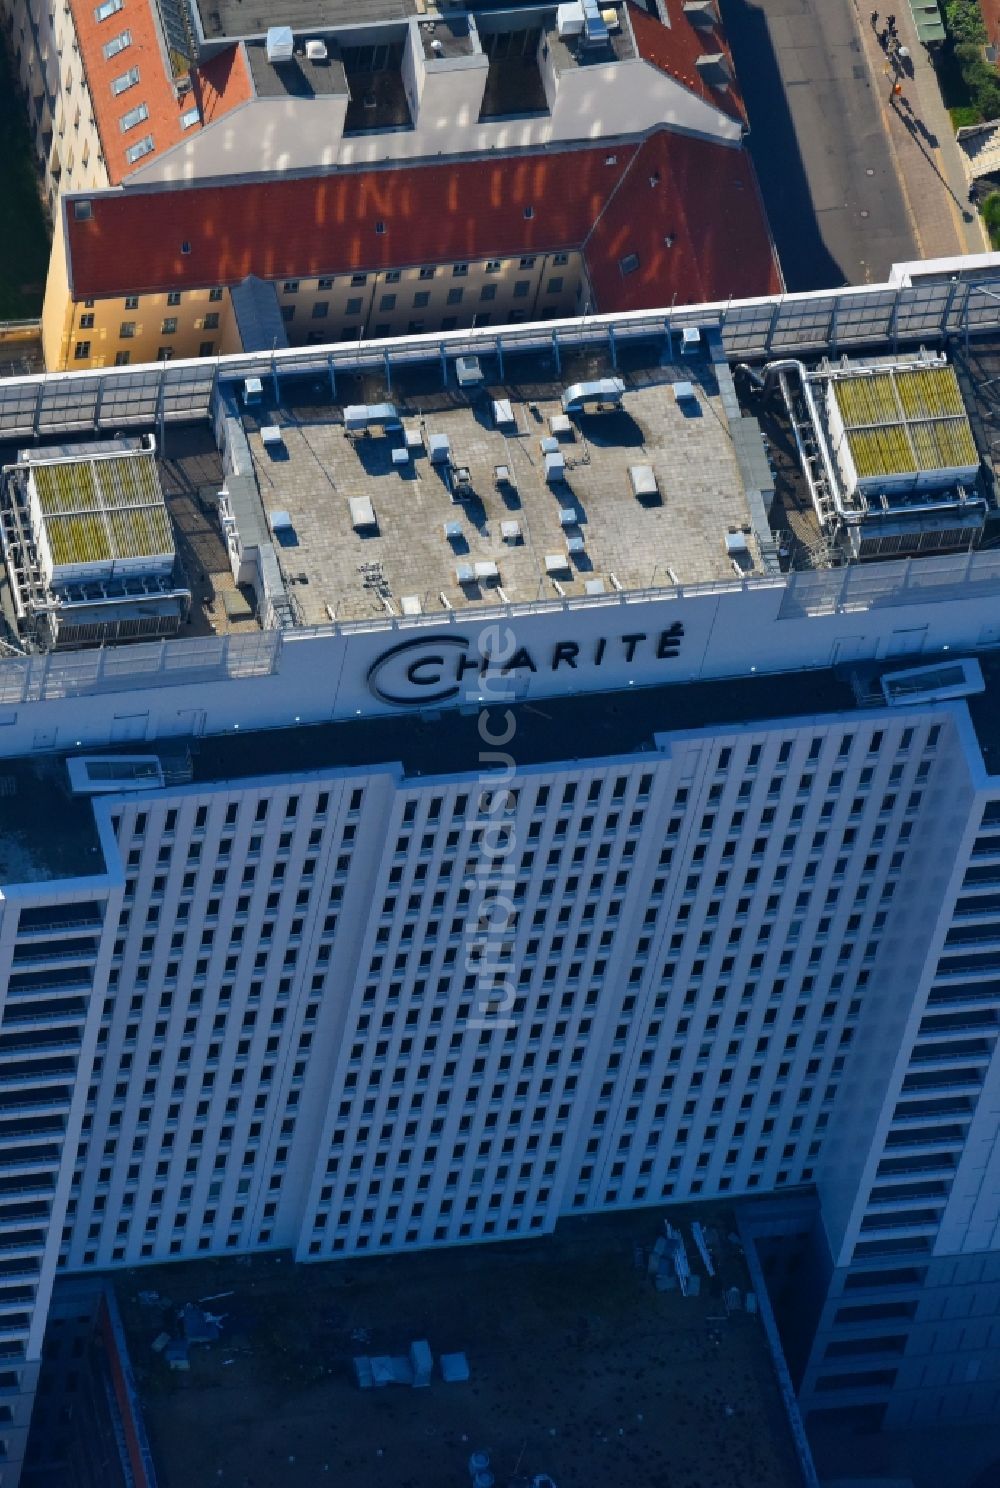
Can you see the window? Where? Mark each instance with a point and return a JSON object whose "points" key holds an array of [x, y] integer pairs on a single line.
{"points": [[287, 313], [529, 212], [122, 358], [555, 285], [190, 118], [427, 273], [392, 276], [560, 258], [124, 81], [488, 292], [321, 309], [133, 117], [459, 270], [117, 44], [521, 288], [387, 302], [86, 322], [357, 280], [353, 306], [455, 296], [136, 152], [127, 330], [493, 265], [421, 299], [168, 326], [290, 286], [185, 246], [212, 321], [527, 263], [81, 351], [207, 348], [164, 353], [131, 302], [174, 298], [380, 228], [104, 11], [324, 283], [628, 264]]}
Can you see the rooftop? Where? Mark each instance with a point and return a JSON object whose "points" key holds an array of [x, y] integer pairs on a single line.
{"points": [[904, 420], [46, 832], [580, 1368], [447, 36], [235, 18], [100, 510], [573, 51], [514, 525], [301, 77], [676, 47], [684, 225], [109, 45]]}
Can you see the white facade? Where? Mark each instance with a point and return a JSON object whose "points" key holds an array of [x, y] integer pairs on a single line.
{"points": [[273, 1030]]}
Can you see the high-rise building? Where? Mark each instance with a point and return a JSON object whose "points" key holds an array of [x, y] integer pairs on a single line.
{"points": [[461, 781]]}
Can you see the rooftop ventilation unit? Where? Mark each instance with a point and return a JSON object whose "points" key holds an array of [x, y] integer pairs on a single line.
{"points": [[280, 44], [569, 19], [316, 51], [701, 13], [437, 47], [469, 371], [601, 396], [595, 31]]}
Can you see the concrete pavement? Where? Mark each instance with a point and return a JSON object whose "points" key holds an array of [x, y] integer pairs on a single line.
{"points": [[928, 161]]}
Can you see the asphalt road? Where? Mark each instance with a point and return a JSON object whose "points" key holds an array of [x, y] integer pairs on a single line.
{"points": [[822, 157]]}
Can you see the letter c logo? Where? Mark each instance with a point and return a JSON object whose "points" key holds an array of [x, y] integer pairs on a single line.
{"points": [[424, 673]]}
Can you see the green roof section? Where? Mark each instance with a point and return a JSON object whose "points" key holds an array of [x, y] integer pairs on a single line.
{"points": [[901, 421], [103, 510]]}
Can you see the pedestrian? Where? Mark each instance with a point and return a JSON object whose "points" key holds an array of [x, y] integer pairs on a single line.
{"points": [[890, 22], [883, 40], [874, 20]]}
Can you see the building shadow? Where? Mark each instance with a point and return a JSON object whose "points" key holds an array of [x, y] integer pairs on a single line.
{"points": [[805, 259]]}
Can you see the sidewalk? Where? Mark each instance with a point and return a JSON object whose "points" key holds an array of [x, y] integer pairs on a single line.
{"points": [[922, 140]]}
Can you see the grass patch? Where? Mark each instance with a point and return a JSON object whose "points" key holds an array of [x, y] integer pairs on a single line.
{"points": [[964, 116], [24, 236], [991, 216]]}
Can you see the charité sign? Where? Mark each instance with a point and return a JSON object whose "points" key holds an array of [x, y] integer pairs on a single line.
{"points": [[433, 669]]}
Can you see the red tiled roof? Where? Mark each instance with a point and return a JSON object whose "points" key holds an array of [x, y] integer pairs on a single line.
{"points": [[675, 50], [328, 224], [466, 209], [991, 20], [694, 219], [222, 84], [226, 83]]}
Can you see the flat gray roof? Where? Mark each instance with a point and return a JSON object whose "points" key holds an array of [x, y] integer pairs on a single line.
{"points": [[221, 18], [298, 78], [452, 33], [332, 570], [572, 51]]}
